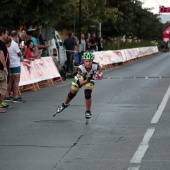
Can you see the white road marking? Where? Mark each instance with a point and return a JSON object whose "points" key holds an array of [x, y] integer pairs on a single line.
{"points": [[158, 113], [134, 168], [139, 154]]}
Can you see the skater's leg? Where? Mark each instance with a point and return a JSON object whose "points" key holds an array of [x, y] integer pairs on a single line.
{"points": [[88, 102], [70, 96], [68, 99]]}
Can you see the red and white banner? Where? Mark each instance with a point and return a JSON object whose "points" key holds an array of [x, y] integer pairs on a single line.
{"points": [[118, 56], [38, 70]]}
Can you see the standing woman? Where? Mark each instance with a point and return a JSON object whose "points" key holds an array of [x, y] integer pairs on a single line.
{"points": [[15, 65]]}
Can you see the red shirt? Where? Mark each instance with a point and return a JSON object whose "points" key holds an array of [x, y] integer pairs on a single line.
{"points": [[29, 53]]}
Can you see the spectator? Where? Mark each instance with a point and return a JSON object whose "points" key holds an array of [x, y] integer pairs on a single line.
{"points": [[22, 36], [93, 43], [8, 44], [30, 37], [100, 44], [87, 44], [22, 41], [69, 44], [3, 66], [24, 32], [83, 44], [15, 66], [30, 54], [40, 42], [82, 48]]}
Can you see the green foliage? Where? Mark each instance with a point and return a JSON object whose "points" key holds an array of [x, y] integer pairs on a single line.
{"points": [[111, 45], [118, 18]]}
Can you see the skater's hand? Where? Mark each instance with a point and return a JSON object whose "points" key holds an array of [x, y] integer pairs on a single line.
{"points": [[85, 76], [91, 80]]}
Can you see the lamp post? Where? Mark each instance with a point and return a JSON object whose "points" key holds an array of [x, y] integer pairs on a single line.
{"points": [[79, 21]]}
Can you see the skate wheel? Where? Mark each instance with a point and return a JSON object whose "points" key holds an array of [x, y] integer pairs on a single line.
{"points": [[87, 121], [54, 114]]}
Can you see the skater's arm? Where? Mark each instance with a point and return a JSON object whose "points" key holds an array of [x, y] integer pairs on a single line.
{"points": [[83, 82]]}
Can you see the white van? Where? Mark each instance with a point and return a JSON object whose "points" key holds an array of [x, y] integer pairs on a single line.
{"points": [[56, 49]]}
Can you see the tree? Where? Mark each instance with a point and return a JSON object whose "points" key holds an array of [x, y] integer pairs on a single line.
{"points": [[29, 12]]}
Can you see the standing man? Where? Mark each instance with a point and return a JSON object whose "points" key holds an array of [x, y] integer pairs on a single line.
{"points": [[69, 44], [93, 43], [41, 45], [3, 66], [15, 66]]}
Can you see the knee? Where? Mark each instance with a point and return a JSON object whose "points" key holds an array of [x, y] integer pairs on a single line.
{"points": [[71, 95], [87, 93]]}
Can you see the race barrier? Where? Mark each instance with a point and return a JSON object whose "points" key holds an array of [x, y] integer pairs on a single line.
{"points": [[110, 57], [38, 72]]}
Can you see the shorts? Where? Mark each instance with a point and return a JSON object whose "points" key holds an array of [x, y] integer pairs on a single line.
{"points": [[15, 70], [3, 87], [88, 85]]}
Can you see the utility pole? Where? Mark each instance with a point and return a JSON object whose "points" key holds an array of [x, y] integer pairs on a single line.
{"points": [[79, 22], [100, 27]]}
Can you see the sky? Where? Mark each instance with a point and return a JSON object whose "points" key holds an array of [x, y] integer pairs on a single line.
{"points": [[155, 5]]}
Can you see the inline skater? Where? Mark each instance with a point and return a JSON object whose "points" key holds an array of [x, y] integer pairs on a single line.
{"points": [[86, 75]]}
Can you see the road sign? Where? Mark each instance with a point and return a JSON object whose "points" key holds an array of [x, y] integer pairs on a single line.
{"points": [[163, 9]]}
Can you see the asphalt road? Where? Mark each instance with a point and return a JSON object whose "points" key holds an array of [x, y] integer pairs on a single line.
{"points": [[129, 128]]}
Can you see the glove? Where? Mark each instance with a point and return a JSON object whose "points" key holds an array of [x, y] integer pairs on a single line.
{"points": [[91, 80], [85, 76]]}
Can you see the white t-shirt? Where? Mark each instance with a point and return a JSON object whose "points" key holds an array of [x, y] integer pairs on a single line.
{"points": [[13, 53], [83, 45]]}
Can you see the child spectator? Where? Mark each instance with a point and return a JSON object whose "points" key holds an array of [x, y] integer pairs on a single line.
{"points": [[31, 53]]}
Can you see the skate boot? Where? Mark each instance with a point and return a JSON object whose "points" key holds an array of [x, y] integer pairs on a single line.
{"points": [[87, 114], [60, 109]]}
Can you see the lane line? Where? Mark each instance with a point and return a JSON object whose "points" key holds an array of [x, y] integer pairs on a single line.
{"points": [[144, 145], [159, 112], [134, 168], [139, 154]]}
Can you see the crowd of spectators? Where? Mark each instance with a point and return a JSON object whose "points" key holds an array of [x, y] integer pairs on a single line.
{"points": [[16, 46], [165, 46], [75, 49]]}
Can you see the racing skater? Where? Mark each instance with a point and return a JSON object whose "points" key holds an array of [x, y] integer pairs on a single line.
{"points": [[86, 75]]}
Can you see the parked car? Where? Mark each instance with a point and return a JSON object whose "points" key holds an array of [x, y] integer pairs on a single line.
{"points": [[56, 49]]}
